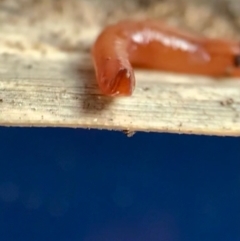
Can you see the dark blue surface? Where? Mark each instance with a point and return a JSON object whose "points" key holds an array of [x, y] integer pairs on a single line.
{"points": [[69, 185]]}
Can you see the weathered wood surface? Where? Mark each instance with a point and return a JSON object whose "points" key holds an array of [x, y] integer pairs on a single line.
{"points": [[63, 92]]}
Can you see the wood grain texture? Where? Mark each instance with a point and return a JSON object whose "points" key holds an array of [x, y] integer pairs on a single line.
{"points": [[62, 92]]}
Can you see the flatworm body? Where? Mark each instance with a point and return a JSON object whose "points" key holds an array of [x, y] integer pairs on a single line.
{"points": [[153, 45]]}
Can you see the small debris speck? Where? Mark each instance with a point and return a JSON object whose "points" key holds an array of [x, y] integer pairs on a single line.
{"points": [[129, 133], [146, 88], [227, 102]]}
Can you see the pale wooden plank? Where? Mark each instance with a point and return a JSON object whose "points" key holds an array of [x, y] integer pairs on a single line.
{"points": [[63, 92]]}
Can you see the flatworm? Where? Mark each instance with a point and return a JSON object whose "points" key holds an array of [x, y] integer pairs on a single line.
{"points": [[152, 44]]}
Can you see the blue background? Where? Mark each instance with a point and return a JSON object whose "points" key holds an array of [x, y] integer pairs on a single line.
{"points": [[71, 184]]}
